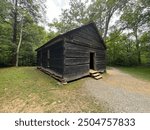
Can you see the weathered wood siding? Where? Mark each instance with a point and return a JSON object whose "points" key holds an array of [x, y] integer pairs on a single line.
{"points": [[55, 61], [76, 61], [39, 58], [78, 46], [100, 60], [69, 53]]}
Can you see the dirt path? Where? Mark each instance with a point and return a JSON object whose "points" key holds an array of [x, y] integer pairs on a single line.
{"points": [[120, 92]]}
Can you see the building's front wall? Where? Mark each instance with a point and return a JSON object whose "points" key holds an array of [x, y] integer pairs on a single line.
{"points": [[78, 46], [76, 61]]}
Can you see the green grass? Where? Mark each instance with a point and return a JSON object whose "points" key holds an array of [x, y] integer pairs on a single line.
{"points": [[26, 89], [142, 72], [24, 81]]}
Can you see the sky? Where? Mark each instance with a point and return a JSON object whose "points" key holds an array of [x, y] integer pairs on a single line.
{"points": [[54, 8]]}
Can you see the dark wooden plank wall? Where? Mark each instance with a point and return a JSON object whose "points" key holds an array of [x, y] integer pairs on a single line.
{"points": [[78, 46], [44, 58], [76, 61], [56, 60], [72, 58], [38, 58], [88, 37], [75, 72], [100, 60]]}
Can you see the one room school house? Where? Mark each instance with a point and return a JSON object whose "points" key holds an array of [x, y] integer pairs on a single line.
{"points": [[71, 55]]}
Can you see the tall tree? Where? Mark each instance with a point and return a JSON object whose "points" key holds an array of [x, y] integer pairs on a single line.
{"points": [[21, 8], [6, 48], [134, 19], [102, 11], [29, 35], [19, 44], [14, 15]]}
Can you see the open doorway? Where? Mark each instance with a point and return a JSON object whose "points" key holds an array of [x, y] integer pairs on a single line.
{"points": [[92, 62]]}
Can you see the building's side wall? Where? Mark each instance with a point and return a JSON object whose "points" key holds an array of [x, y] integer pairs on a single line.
{"points": [[52, 58], [78, 46], [38, 58]]}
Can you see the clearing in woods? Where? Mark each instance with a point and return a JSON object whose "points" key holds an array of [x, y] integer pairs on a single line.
{"points": [[26, 89]]}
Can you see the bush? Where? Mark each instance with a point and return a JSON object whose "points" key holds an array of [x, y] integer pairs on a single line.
{"points": [[27, 56], [6, 54]]}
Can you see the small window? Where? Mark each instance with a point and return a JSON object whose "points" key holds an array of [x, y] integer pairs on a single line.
{"points": [[48, 64], [41, 58], [48, 57], [48, 54]]}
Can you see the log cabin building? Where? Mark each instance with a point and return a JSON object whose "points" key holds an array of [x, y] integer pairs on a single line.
{"points": [[71, 55]]}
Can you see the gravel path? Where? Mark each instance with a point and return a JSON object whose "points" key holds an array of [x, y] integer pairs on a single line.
{"points": [[120, 92]]}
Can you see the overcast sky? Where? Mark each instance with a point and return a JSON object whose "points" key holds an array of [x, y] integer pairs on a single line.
{"points": [[54, 8]]}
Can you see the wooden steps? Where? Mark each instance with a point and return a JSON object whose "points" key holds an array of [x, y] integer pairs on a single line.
{"points": [[95, 74], [98, 77], [92, 71]]}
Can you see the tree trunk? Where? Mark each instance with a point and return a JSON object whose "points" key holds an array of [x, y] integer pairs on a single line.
{"points": [[14, 40], [106, 27], [14, 33], [137, 47], [138, 53], [19, 44], [108, 17]]}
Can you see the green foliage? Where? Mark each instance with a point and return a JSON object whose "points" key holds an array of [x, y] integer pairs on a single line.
{"points": [[135, 19], [5, 7], [33, 8], [133, 49], [51, 35], [127, 40], [6, 46], [79, 13], [145, 47], [27, 55], [6, 52], [121, 50], [33, 35], [102, 11]]}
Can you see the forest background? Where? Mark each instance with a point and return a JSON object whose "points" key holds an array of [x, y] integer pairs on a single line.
{"points": [[123, 24]]}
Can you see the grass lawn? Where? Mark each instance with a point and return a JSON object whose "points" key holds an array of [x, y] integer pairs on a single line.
{"points": [[142, 72], [26, 89]]}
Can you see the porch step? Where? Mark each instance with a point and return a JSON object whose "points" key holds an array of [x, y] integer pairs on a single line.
{"points": [[93, 71], [98, 77], [95, 74]]}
